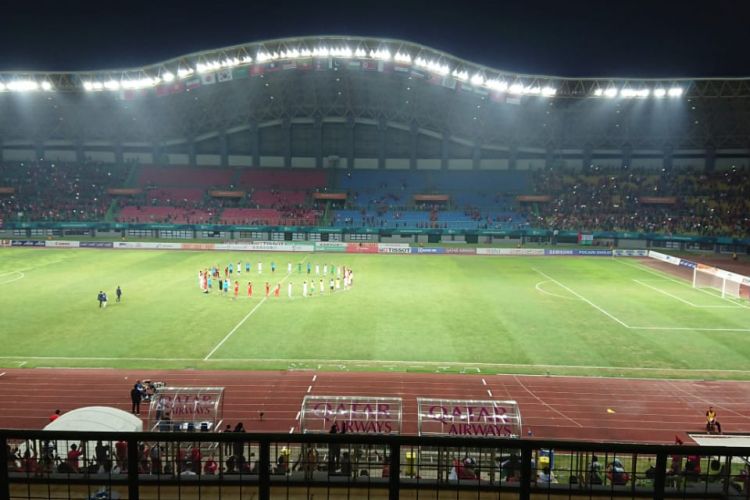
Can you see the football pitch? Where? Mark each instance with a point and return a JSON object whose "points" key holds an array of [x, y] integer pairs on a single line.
{"points": [[558, 315]]}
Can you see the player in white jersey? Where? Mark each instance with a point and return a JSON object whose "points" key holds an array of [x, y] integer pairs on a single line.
{"points": [[325, 269], [304, 289], [289, 289], [338, 283], [289, 268], [260, 267], [322, 286], [317, 268]]}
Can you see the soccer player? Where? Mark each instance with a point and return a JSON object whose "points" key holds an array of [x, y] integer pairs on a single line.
{"points": [[277, 290], [325, 269], [299, 267], [119, 293], [226, 286], [104, 300], [247, 267], [289, 289], [331, 285], [317, 269], [236, 289], [100, 298], [239, 268], [231, 268], [304, 289], [273, 267], [289, 268], [260, 267], [308, 268], [249, 288], [338, 283], [322, 287], [268, 288], [200, 279]]}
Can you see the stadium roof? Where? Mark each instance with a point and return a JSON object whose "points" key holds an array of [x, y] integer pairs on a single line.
{"points": [[372, 50]]}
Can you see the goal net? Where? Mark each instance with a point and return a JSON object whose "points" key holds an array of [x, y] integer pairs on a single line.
{"points": [[728, 284]]}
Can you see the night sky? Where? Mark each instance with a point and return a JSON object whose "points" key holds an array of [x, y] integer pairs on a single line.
{"points": [[629, 38]]}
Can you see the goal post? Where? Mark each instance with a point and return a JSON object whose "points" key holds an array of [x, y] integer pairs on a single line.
{"points": [[727, 283]]}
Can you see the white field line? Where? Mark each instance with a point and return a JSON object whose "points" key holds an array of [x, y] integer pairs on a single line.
{"points": [[19, 276], [668, 277], [539, 288], [242, 321], [664, 292], [689, 328], [385, 363], [610, 316]]}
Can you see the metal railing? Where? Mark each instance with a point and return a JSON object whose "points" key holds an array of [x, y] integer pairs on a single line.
{"points": [[262, 466]]}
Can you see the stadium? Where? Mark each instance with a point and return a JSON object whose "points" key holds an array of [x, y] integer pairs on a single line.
{"points": [[496, 285]]}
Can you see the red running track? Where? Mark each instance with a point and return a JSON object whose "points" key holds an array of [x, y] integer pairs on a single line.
{"points": [[600, 409]]}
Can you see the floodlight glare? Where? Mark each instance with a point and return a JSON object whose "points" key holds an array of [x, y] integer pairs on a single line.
{"points": [[112, 85], [22, 85], [46, 86], [402, 57], [549, 91], [184, 72], [2, 87], [477, 79], [599, 92], [516, 88], [167, 76], [675, 92], [611, 92], [660, 92]]}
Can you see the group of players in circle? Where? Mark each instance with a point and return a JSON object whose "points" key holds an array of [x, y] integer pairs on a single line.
{"points": [[333, 279]]}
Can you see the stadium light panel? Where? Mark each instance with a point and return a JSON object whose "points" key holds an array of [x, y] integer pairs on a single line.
{"points": [[516, 88], [497, 85], [660, 92], [643, 93], [2, 87], [382, 54], [167, 76], [360, 53], [477, 79], [98, 86], [549, 91], [22, 86], [461, 75], [46, 86], [185, 72], [599, 92], [402, 57], [246, 60], [611, 92], [675, 92], [112, 85]]}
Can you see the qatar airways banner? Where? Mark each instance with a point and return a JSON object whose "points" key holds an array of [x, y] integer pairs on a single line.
{"points": [[352, 414], [147, 245], [461, 251], [491, 419], [27, 243], [578, 252]]}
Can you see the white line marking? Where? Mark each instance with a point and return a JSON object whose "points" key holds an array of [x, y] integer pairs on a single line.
{"points": [[297, 417], [484, 382], [489, 393], [21, 363], [1, 374], [309, 389], [291, 430], [582, 298], [539, 288], [238, 325], [669, 277], [315, 377], [681, 299], [12, 280], [688, 328]]}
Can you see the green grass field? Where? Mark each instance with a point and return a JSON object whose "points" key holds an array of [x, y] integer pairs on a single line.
{"points": [[589, 316]]}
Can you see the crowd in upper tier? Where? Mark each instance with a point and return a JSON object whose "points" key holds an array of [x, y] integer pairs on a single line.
{"points": [[676, 201]]}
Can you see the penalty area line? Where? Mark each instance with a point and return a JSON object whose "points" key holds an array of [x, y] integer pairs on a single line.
{"points": [[610, 316]]}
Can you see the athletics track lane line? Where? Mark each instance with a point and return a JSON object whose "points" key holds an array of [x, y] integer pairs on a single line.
{"points": [[242, 321], [543, 403]]}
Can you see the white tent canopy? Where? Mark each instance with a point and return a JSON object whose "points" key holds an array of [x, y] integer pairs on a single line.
{"points": [[96, 418]]}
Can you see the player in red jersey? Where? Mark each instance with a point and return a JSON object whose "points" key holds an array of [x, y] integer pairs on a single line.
{"points": [[236, 289], [276, 290], [268, 288], [249, 288]]}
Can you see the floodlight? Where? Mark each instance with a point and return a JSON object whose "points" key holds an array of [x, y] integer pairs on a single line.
{"points": [[381, 54], [402, 57], [98, 86], [46, 86], [22, 85], [246, 60], [461, 75], [611, 92], [549, 91], [497, 85], [2, 87], [675, 92], [660, 92], [184, 72], [643, 93], [477, 79], [167, 76], [112, 85], [516, 88], [359, 53], [599, 92]]}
